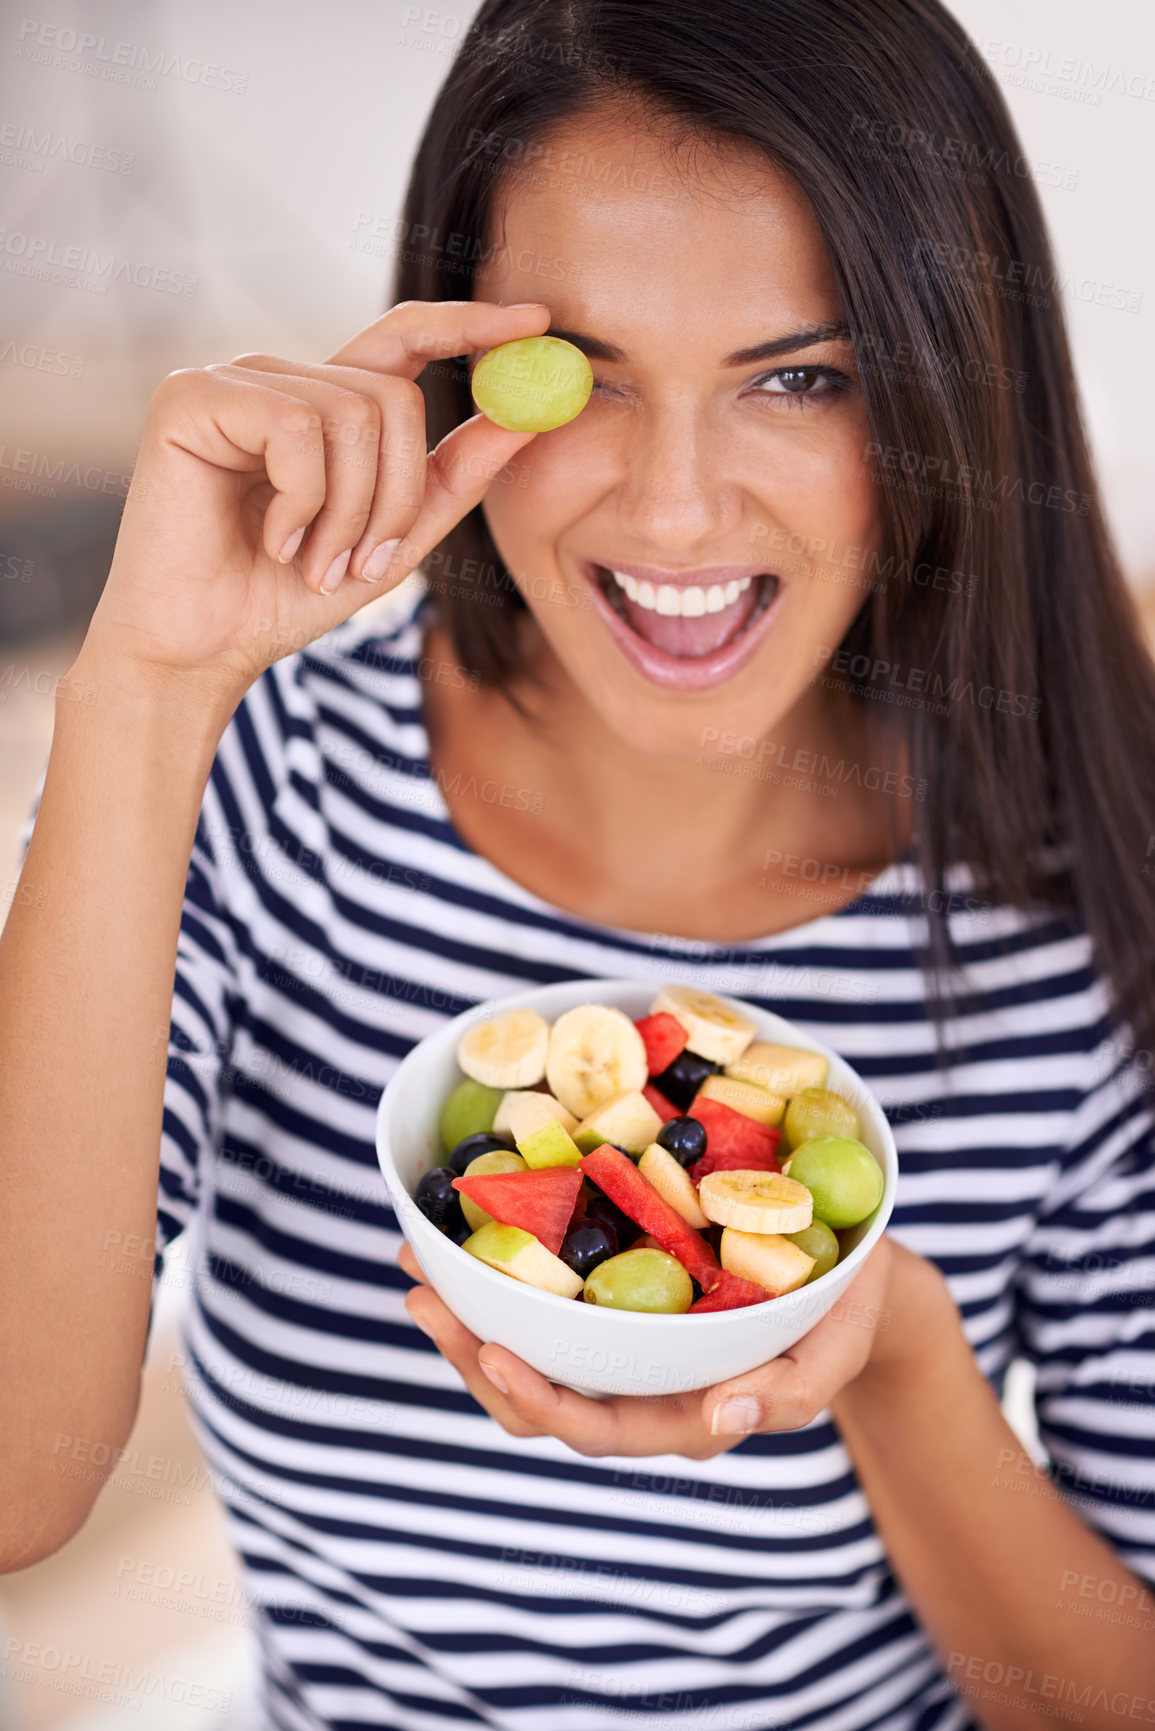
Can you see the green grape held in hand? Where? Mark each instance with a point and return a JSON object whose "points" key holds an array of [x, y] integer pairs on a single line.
{"points": [[532, 385]]}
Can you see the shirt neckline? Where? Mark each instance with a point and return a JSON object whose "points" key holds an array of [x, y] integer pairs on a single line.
{"points": [[889, 882]]}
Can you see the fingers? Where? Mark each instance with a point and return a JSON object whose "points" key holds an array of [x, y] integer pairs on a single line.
{"points": [[521, 1400], [404, 340], [408, 1262], [244, 428], [434, 1317], [525, 1403], [236, 419], [457, 476], [791, 1390], [410, 502], [455, 1342], [384, 460], [345, 447], [658, 1425], [337, 433], [777, 1396]]}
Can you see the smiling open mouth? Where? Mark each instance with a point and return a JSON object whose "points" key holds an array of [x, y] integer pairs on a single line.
{"points": [[686, 630], [688, 620]]}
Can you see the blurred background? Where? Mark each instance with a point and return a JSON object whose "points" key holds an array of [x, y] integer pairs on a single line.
{"points": [[179, 185]]}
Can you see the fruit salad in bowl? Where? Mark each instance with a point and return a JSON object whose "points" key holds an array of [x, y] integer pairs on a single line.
{"points": [[638, 1191]]}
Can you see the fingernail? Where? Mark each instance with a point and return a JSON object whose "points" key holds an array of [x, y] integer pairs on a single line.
{"points": [[336, 571], [498, 1382], [379, 561], [290, 547], [522, 306], [737, 1416], [420, 1323]]}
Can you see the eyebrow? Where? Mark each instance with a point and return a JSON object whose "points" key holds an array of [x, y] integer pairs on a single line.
{"points": [[803, 339]]}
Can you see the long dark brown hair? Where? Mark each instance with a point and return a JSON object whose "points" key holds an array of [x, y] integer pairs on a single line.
{"points": [[997, 578]]}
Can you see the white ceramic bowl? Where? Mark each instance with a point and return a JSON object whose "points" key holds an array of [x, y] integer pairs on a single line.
{"points": [[587, 1346]]}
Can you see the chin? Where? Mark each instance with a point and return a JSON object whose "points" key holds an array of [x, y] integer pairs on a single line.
{"points": [[671, 728]]}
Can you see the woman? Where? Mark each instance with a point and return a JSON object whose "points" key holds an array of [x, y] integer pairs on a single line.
{"points": [[797, 666]]}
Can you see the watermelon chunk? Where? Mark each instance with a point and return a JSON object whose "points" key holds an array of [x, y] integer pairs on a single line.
{"points": [[729, 1132], [616, 1174], [664, 1037], [731, 1293], [540, 1202], [659, 1102]]}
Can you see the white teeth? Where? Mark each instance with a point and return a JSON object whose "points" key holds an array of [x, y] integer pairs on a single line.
{"points": [[676, 602]]}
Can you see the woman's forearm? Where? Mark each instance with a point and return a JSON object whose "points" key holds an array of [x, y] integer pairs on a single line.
{"points": [[86, 979], [990, 1555]]}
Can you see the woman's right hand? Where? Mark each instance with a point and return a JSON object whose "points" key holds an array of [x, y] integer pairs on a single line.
{"points": [[245, 464]]}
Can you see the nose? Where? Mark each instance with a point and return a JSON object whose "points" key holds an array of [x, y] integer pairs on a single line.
{"points": [[675, 498]]}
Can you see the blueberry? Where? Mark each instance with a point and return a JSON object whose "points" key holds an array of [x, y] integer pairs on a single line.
{"points": [[472, 1146], [606, 1213], [680, 1081], [437, 1199], [458, 1228], [587, 1244], [684, 1138]]}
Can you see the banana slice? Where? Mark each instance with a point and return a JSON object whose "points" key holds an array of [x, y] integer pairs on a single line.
{"points": [[756, 1201], [713, 1029], [521, 1112], [784, 1070], [594, 1053], [507, 1051]]}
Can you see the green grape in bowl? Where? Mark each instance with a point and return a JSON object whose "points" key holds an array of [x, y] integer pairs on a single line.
{"points": [[640, 1280], [841, 1175], [819, 1112]]}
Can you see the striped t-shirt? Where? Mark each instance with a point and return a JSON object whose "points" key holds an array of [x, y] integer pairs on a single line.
{"points": [[409, 1563]]}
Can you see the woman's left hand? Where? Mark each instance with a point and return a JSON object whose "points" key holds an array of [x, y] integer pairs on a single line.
{"points": [[868, 1325]]}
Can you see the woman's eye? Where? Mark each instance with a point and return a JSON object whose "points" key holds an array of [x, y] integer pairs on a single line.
{"points": [[792, 386], [801, 383]]}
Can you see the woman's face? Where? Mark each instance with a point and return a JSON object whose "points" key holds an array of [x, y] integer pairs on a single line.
{"points": [[726, 484]]}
